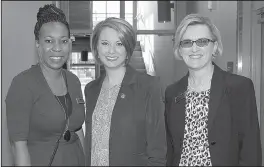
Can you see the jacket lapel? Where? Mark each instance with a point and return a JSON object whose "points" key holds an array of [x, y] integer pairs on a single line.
{"points": [[93, 94], [216, 92], [178, 106], [124, 97]]}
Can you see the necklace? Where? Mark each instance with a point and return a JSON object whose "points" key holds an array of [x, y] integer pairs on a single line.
{"points": [[66, 134]]}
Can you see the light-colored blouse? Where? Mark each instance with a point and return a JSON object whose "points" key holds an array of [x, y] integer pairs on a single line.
{"points": [[101, 121], [195, 150]]}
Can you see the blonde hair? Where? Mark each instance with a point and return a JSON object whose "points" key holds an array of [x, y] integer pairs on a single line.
{"points": [[195, 19]]}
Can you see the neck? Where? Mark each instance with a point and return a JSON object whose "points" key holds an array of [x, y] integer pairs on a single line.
{"points": [[114, 76], [204, 74], [51, 73]]}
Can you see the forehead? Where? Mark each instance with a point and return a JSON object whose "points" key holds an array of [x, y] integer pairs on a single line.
{"points": [[109, 34], [53, 29], [197, 31]]}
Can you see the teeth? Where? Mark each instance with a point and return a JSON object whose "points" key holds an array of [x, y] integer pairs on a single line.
{"points": [[111, 58], [195, 56], [56, 58]]}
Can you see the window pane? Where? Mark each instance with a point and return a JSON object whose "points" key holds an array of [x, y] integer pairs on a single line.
{"points": [[129, 18], [113, 15], [99, 6], [97, 18], [128, 6], [113, 6]]}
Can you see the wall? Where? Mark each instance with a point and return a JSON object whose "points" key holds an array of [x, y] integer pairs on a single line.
{"points": [[224, 16], [18, 51], [166, 67], [251, 54]]}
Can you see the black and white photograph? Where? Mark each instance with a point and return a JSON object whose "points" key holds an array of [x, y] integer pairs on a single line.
{"points": [[132, 83]]}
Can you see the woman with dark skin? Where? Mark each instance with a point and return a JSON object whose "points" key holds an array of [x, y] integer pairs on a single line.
{"points": [[44, 103]]}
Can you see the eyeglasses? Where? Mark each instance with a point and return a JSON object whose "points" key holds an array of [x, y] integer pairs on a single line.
{"points": [[201, 42]]}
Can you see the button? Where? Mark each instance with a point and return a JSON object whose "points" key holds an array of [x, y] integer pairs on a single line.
{"points": [[213, 143]]}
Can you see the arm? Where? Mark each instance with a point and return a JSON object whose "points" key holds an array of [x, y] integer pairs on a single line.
{"points": [[249, 136], [81, 136], [155, 127], [19, 103], [21, 153], [168, 135]]}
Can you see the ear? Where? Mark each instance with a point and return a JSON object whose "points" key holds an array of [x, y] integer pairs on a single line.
{"points": [[177, 54], [215, 47], [37, 43]]}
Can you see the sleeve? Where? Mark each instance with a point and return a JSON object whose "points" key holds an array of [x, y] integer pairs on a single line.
{"points": [[155, 126], [249, 134], [168, 135], [19, 102]]}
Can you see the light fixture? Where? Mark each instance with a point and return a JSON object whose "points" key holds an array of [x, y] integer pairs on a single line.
{"points": [[211, 5]]}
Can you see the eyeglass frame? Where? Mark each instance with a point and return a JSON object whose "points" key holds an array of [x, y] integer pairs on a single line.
{"points": [[195, 41]]}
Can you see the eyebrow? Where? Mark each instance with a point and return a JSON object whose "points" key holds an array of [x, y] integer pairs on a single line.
{"points": [[53, 37]]}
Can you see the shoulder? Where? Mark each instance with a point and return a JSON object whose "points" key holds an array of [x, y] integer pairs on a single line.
{"points": [[237, 81], [174, 88], [71, 77], [91, 84], [147, 81], [25, 76]]}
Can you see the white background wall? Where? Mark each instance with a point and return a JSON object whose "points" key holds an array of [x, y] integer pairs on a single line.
{"points": [[18, 51]]}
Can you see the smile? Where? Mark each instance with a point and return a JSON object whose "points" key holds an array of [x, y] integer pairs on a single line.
{"points": [[56, 58], [196, 56], [111, 58]]}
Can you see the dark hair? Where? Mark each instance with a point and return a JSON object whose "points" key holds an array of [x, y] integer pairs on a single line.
{"points": [[49, 13], [126, 33]]}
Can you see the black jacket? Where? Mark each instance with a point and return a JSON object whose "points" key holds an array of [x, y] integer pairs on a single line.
{"points": [[233, 129], [137, 132]]}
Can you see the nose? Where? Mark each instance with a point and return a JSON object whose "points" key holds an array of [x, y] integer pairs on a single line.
{"points": [[112, 49], [195, 47], [56, 47]]}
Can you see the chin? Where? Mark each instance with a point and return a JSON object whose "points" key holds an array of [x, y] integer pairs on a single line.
{"points": [[114, 65]]}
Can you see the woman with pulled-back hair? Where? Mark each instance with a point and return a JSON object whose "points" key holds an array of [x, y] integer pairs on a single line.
{"points": [[44, 104]]}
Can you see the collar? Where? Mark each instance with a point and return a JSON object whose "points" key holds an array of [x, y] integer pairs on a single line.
{"points": [[129, 77], [216, 74]]}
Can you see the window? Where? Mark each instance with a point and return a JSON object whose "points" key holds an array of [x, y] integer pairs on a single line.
{"points": [[105, 9]]}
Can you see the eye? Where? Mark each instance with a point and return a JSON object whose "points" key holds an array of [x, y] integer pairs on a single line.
{"points": [[186, 43], [104, 43], [48, 41], [65, 41], [119, 44]]}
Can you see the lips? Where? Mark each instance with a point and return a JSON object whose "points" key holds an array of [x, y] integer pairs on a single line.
{"points": [[197, 56], [56, 58], [110, 58]]}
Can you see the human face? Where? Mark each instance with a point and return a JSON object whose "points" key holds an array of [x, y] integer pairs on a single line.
{"points": [[111, 51], [196, 57], [54, 45]]}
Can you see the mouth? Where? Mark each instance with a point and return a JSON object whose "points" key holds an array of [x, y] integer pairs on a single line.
{"points": [[110, 58], [56, 58], [196, 56]]}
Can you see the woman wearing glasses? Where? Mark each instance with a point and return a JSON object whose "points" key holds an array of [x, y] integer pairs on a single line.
{"points": [[45, 109], [211, 115]]}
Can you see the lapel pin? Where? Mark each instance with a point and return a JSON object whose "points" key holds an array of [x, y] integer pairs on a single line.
{"points": [[123, 95]]}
